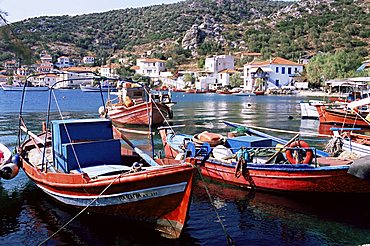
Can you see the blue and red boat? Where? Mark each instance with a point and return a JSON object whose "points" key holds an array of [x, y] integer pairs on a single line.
{"points": [[243, 161]]}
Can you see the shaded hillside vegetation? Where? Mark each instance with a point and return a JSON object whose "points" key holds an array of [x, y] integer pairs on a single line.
{"points": [[286, 29]]}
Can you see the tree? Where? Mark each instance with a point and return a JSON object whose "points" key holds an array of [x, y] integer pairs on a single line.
{"points": [[189, 78], [236, 80]]}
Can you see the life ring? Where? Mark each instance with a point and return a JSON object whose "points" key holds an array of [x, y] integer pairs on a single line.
{"points": [[299, 144]]}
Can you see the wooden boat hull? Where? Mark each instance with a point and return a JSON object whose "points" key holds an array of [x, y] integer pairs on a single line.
{"points": [[287, 178], [332, 116], [157, 198], [139, 114]]}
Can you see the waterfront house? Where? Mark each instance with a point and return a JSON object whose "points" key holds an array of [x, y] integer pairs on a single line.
{"points": [[23, 71], [83, 75], [44, 80], [109, 71], [215, 64], [276, 72], [149, 67], [211, 76], [44, 68]]}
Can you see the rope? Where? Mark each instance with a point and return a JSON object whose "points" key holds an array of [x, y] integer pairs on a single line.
{"points": [[229, 239], [155, 104], [78, 214], [65, 126]]}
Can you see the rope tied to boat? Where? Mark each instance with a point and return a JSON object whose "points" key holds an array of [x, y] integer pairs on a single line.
{"points": [[229, 239], [243, 157]]}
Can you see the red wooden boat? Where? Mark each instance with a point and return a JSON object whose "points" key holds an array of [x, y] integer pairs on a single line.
{"points": [[259, 93], [341, 116], [87, 169], [223, 92], [317, 174], [134, 107]]}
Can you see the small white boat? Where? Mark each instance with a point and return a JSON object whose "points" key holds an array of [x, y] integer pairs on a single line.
{"points": [[244, 93], [5, 154], [90, 88], [20, 88]]}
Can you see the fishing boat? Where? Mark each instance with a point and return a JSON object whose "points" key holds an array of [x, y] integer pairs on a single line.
{"points": [[352, 115], [137, 106], [27, 88], [259, 93], [260, 161], [82, 164]]}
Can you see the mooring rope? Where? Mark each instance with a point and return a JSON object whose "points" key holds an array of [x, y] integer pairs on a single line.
{"points": [[78, 214], [155, 104], [229, 239]]}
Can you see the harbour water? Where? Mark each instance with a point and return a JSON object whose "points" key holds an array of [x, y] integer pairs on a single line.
{"points": [[27, 216]]}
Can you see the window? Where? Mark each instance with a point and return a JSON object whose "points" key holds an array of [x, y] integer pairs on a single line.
{"points": [[277, 70], [277, 82], [296, 70], [221, 76], [283, 70], [289, 70]]}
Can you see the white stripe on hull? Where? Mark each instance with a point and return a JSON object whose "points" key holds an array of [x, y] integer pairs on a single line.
{"points": [[116, 199], [356, 148]]}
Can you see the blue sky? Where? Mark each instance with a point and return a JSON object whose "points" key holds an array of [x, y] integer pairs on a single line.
{"points": [[22, 9]]}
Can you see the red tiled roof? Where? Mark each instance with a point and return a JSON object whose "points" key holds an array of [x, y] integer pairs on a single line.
{"points": [[135, 68], [150, 60], [276, 61], [228, 71]]}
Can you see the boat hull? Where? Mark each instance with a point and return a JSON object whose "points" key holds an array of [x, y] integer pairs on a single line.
{"points": [[157, 198], [20, 88], [287, 179], [332, 116], [139, 114]]}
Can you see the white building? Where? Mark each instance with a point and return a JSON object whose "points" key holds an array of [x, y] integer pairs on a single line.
{"points": [[223, 77], [46, 58], [215, 64], [63, 62], [109, 71], [150, 67], [75, 76], [275, 72], [88, 60]]}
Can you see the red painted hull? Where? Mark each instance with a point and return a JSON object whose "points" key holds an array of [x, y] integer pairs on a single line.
{"points": [[313, 181], [331, 178], [158, 198], [259, 93], [138, 114], [337, 116]]}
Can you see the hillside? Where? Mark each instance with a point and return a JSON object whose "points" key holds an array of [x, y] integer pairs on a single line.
{"points": [[287, 29]]}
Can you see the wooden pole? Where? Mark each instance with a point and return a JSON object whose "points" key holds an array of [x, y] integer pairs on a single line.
{"points": [[277, 152]]}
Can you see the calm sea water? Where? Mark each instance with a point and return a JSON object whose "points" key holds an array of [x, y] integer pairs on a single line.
{"points": [[27, 216]]}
